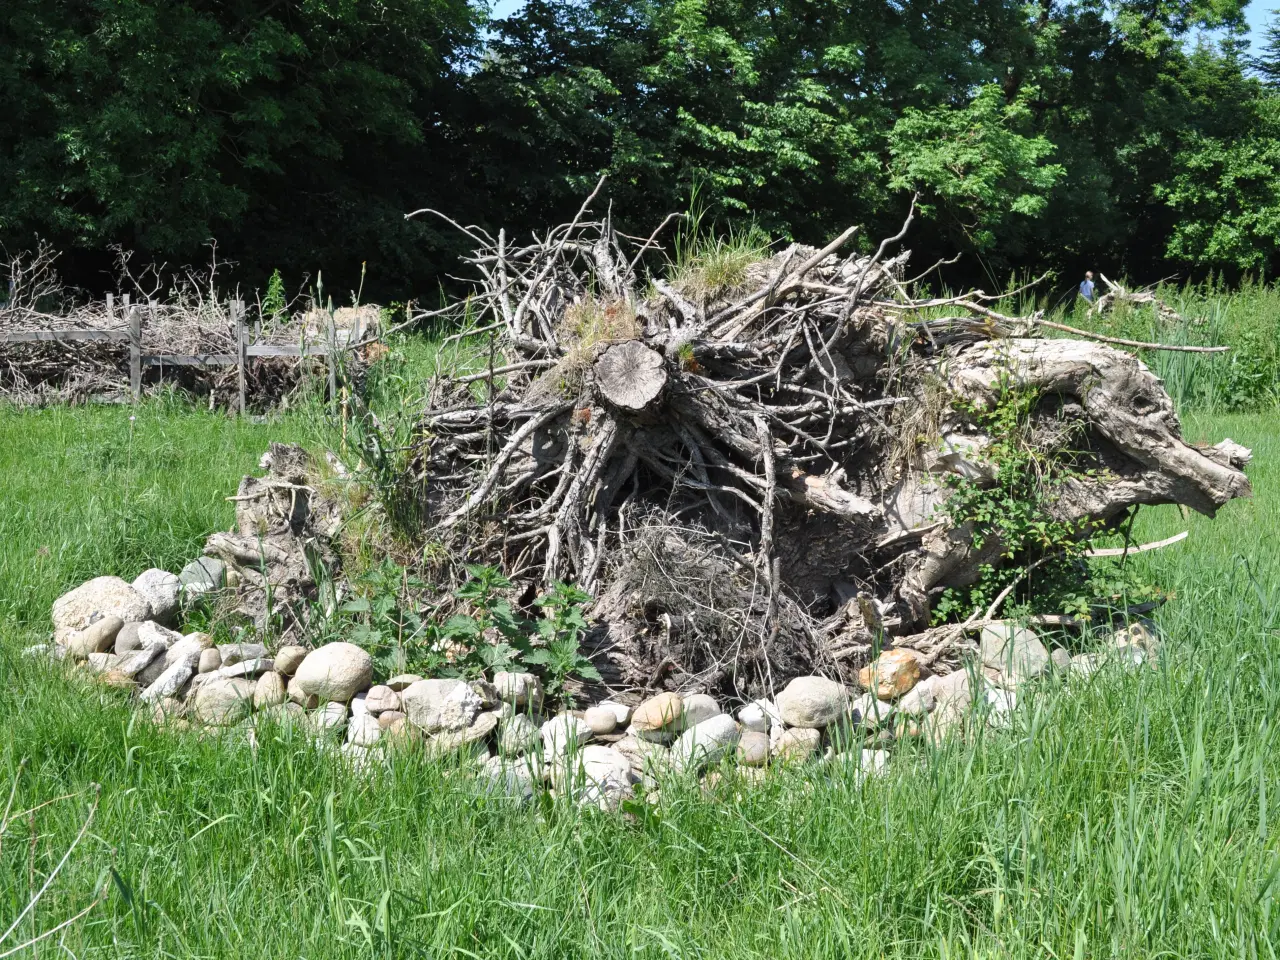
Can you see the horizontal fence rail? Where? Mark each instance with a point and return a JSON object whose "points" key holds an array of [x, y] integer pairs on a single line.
{"points": [[246, 350]]}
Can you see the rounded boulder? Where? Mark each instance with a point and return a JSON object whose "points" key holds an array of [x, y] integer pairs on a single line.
{"points": [[335, 672], [812, 702], [224, 701], [98, 598]]}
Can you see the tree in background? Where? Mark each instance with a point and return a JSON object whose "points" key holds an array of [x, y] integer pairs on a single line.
{"points": [[298, 132], [295, 131]]}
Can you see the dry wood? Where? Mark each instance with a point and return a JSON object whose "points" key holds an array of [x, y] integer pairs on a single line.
{"points": [[719, 465]]}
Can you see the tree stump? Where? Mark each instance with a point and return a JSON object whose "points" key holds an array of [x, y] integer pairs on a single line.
{"points": [[630, 375]]}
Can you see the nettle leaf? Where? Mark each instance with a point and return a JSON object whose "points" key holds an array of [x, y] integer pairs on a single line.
{"points": [[461, 626]]}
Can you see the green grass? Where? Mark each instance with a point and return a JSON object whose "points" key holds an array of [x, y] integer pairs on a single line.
{"points": [[1132, 816]]}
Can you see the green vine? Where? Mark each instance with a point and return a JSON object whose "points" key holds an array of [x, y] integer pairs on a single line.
{"points": [[1013, 504]]}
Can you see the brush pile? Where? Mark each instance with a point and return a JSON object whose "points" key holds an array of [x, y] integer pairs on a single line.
{"points": [[747, 469]]}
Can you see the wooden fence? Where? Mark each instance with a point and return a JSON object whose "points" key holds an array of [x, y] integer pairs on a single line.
{"points": [[245, 347]]}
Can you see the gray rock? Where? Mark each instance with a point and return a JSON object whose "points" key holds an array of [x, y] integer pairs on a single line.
{"points": [[698, 707], [647, 758], [919, 701], [133, 663], [601, 720], [1000, 706], [488, 694], [233, 653], [953, 699], [706, 742], [511, 778], [92, 601], [1013, 650], [440, 706], [269, 691], [151, 633], [191, 646], [518, 735], [127, 638], [401, 681], [363, 731], [759, 715], [210, 660], [1060, 658], [521, 689], [203, 575], [335, 672], [753, 748], [102, 662], [330, 718], [289, 659], [595, 776], [380, 699], [149, 673], [98, 637], [223, 701], [563, 733], [38, 650], [358, 706], [160, 589], [867, 711], [451, 741], [173, 677], [621, 711], [812, 702], [247, 668]]}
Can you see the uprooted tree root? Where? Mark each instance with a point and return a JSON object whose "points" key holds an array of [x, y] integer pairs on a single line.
{"points": [[749, 479]]}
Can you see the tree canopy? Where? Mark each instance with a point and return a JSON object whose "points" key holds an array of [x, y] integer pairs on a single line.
{"points": [[1136, 135]]}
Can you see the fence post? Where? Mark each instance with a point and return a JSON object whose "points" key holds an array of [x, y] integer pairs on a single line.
{"points": [[135, 349], [242, 351]]}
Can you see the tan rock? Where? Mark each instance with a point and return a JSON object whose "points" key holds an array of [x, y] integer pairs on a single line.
{"points": [[389, 717], [797, 744], [335, 672], [289, 659], [891, 675], [382, 698], [98, 637], [308, 701], [662, 712], [210, 660], [224, 701], [753, 748], [601, 720], [269, 691], [118, 680]]}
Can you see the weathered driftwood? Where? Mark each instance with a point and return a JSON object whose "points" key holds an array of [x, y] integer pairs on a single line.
{"points": [[729, 468]]}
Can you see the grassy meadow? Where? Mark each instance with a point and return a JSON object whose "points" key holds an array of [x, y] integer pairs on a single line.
{"points": [[1135, 814]]}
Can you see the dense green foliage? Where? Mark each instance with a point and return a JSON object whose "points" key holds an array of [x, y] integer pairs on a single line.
{"points": [[1132, 815], [1133, 136]]}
